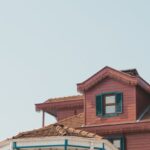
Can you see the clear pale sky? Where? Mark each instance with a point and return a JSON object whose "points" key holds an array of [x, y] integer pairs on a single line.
{"points": [[47, 46]]}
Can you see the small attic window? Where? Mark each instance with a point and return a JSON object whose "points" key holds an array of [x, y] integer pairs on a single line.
{"points": [[109, 104]]}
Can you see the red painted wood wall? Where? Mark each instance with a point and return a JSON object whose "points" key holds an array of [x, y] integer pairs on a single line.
{"points": [[65, 113], [110, 85], [138, 141]]}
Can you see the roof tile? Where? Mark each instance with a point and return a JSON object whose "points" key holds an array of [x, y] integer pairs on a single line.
{"points": [[56, 130], [67, 98], [73, 121]]}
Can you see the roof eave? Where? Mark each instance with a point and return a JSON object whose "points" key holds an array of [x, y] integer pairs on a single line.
{"points": [[81, 87], [114, 74], [52, 107]]}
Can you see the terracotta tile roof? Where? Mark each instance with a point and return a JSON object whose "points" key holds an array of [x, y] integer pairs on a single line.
{"points": [[56, 130], [67, 98], [74, 121]]}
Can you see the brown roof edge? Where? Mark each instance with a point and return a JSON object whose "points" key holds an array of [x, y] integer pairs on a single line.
{"points": [[66, 98], [130, 76], [133, 127], [59, 101], [56, 130], [103, 73], [106, 67], [56, 105]]}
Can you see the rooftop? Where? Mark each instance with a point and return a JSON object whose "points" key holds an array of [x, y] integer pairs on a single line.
{"points": [[67, 98], [74, 121], [130, 77], [56, 130]]}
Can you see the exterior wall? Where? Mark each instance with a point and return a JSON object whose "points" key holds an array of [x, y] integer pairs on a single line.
{"points": [[142, 100], [65, 113], [54, 142], [110, 85], [139, 141]]}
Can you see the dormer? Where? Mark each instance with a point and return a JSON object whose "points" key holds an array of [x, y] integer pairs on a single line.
{"points": [[113, 96]]}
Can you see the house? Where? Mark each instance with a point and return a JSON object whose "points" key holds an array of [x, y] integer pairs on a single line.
{"points": [[113, 104], [61, 135]]}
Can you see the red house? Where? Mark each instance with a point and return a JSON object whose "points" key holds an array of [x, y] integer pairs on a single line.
{"points": [[114, 104]]}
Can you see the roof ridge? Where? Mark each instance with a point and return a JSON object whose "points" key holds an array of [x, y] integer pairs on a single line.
{"points": [[108, 68], [103, 73]]}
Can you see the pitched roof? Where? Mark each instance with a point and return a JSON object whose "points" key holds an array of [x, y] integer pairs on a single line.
{"points": [[56, 130], [130, 77], [74, 121], [67, 98]]}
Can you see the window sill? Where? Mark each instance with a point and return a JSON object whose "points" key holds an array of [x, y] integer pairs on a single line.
{"points": [[109, 115]]}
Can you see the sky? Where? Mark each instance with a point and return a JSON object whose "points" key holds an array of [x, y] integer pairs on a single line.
{"points": [[48, 46]]}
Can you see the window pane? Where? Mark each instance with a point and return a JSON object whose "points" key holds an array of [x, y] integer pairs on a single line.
{"points": [[117, 143], [110, 109], [110, 99]]}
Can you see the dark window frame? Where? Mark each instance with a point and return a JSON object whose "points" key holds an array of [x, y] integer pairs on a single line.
{"points": [[100, 104], [111, 104], [119, 137]]}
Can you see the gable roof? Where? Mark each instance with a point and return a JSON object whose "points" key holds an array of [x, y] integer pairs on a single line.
{"points": [[56, 130], [73, 121], [130, 77]]}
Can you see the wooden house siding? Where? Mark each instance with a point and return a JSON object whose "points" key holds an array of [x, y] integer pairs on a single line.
{"points": [[65, 113], [138, 141], [110, 85], [124, 124]]}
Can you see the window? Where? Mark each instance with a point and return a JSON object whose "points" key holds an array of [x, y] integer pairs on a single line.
{"points": [[118, 142], [109, 104]]}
